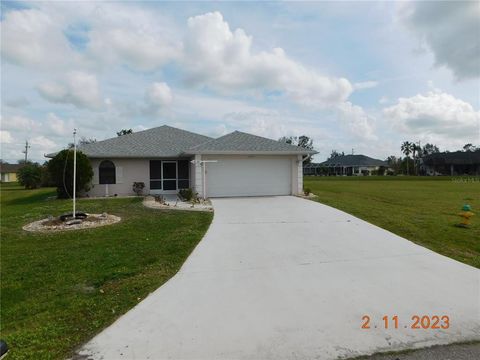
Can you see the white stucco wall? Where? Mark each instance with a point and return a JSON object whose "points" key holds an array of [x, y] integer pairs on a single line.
{"points": [[128, 171]]}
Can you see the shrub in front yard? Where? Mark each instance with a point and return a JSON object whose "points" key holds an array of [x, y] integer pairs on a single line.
{"points": [[188, 195], [138, 188], [61, 171], [30, 176]]}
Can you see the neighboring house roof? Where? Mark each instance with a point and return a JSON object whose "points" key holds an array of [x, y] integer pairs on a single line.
{"points": [[167, 141], [240, 142], [162, 141], [453, 158], [9, 168], [353, 160]]}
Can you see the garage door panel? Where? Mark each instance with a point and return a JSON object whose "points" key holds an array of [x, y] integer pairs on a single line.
{"points": [[249, 177]]}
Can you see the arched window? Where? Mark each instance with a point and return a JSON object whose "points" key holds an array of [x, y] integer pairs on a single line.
{"points": [[106, 172]]}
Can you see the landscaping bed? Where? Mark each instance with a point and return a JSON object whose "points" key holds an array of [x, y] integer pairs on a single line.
{"points": [[173, 203], [56, 224]]}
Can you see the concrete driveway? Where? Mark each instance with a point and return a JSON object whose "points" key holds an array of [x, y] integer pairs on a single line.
{"points": [[287, 278]]}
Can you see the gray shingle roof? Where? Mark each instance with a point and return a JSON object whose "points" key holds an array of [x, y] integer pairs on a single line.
{"points": [[353, 160], [238, 142], [167, 141], [162, 141]]}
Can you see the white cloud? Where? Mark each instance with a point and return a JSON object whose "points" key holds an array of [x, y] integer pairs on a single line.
{"points": [[356, 121], [58, 126], [5, 137], [383, 100], [437, 117], [77, 88], [365, 85], [31, 37], [450, 29], [271, 124], [158, 95], [19, 102], [18, 123], [217, 57], [132, 37]]}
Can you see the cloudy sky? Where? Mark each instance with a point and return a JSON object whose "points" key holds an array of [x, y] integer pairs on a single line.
{"points": [[361, 75]]}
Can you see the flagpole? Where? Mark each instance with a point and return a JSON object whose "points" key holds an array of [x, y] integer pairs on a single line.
{"points": [[74, 171]]}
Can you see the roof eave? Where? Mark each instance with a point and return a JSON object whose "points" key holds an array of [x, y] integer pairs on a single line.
{"points": [[237, 152]]}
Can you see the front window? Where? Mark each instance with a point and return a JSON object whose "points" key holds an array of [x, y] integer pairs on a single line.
{"points": [[169, 175], [106, 172]]}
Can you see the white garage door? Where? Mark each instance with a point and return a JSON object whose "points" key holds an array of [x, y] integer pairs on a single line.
{"points": [[253, 176]]}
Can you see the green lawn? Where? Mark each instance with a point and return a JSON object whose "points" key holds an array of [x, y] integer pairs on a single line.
{"points": [[58, 290], [421, 209]]}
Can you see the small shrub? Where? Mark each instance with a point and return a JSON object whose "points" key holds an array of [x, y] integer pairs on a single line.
{"points": [[307, 191], [138, 188], [159, 198], [188, 195], [30, 176]]}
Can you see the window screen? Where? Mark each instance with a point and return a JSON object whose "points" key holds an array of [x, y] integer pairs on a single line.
{"points": [[106, 172]]}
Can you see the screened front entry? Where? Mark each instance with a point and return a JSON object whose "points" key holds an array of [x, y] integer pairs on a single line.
{"points": [[169, 176]]}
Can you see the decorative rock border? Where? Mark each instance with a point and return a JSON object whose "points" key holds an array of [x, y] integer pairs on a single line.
{"points": [[150, 202], [98, 220], [309, 196]]}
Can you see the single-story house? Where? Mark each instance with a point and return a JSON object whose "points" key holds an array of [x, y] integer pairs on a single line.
{"points": [[9, 172], [451, 163], [347, 165], [167, 159]]}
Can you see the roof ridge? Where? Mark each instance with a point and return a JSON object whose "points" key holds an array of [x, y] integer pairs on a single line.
{"points": [[146, 130]]}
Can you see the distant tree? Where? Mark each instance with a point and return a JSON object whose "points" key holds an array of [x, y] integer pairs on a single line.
{"points": [[60, 169], [416, 153], [23, 162], [407, 148], [334, 154], [469, 148], [305, 142], [301, 141], [83, 141], [429, 149], [30, 175], [287, 139], [124, 132], [394, 163]]}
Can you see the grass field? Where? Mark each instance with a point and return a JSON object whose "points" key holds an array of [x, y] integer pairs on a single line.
{"points": [[58, 290], [423, 210]]}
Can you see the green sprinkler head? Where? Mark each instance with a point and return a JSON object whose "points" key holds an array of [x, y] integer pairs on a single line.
{"points": [[466, 208]]}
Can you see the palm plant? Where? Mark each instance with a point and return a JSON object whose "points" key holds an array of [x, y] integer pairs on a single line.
{"points": [[407, 148]]}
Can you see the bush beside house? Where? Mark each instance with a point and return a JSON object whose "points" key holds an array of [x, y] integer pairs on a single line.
{"points": [[60, 169]]}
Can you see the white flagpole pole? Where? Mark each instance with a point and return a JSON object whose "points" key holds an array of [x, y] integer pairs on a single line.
{"points": [[74, 170]]}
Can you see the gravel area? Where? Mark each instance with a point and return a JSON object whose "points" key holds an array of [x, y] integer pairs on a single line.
{"points": [[92, 221], [172, 203]]}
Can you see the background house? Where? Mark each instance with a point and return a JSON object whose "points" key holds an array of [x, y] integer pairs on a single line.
{"points": [[347, 165], [451, 163], [9, 172]]}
